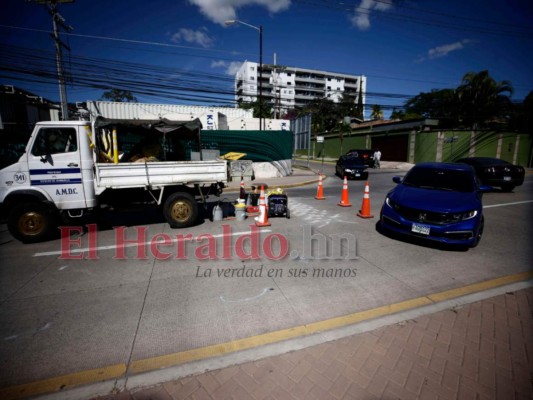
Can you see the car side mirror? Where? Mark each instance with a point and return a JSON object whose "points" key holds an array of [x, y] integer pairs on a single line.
{"points": [[397, 179]]}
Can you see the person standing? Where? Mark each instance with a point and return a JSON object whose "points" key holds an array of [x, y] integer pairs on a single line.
{"points": [[377, 158]]}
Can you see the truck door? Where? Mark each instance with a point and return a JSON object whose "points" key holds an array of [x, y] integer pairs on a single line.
{"points": [[55, 166]]}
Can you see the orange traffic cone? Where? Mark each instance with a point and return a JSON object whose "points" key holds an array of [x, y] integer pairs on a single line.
{"points": [[364, 212], [320, 190], [345, 202], [262, 219], [242, 191]]}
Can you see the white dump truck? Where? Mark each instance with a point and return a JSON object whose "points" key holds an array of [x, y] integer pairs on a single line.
{"points": [[71, 168]]}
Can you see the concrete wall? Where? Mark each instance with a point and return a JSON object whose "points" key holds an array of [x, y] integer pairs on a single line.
{"points": [[434, 145]]}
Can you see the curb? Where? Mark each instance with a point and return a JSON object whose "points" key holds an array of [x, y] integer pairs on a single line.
{"points": [[286, 186]]}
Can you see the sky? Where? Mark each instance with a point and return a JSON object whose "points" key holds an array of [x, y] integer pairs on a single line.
{"points": [[182, 52]]}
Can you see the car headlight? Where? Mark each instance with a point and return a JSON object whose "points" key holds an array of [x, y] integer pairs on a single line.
{"points": [[347, 170], [463, 216], [389, 202]]}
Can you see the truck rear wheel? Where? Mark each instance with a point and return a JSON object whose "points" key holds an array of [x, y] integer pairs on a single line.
{"points": [[32, 222], [180, 210]]}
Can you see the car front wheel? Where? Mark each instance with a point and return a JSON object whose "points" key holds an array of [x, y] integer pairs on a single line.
{"points": [[32, 222]]}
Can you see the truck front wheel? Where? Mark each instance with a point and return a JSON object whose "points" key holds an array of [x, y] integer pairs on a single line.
{"points": [[180, 210], [32, 222]]}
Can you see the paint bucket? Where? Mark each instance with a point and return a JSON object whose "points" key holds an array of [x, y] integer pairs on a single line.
{"points": [[240, 212]]}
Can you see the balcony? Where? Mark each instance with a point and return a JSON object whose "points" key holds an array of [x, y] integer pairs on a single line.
{"points": [[309, 78]]}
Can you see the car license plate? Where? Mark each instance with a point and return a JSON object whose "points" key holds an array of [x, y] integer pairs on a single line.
{"points": [[506, 178], [357, 174], [419, 228]]}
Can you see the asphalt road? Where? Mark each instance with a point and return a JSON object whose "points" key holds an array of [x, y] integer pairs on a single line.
{"points": [[85, 303]]}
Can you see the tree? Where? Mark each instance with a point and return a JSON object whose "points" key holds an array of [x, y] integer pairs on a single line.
{"points": [[522, 115], [360, 114], [258, 112], [440, 104], [119, 95], [482, 99], [343, 128], [397, 114], [377, 112]]}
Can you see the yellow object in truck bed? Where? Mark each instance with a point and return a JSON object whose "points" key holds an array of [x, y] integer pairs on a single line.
{"points": [[233, 156]]}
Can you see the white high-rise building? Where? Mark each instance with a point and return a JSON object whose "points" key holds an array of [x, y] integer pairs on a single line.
{"points": [[285, 88]]}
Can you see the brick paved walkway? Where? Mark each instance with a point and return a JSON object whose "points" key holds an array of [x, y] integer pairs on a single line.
{"points": [[480, 351]]}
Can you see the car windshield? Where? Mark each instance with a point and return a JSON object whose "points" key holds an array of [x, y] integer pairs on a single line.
{"points": [[440, 179], [484, 161], [351, 160]]}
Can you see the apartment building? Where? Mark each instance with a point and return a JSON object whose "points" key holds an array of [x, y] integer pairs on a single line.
{"points": [[285, 88]]}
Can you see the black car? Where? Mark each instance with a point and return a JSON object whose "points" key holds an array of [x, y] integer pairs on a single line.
{"points": [[351, 167], [496, 172], [366, 155]]}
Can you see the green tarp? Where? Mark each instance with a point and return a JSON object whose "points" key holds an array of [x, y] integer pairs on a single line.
{"points": [[258, 145]]}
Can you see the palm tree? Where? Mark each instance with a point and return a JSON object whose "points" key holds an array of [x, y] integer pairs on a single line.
{"points": [[482, 99], [377, 112]]}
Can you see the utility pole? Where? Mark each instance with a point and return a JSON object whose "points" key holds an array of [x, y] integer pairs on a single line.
{"points": [[58, 21]]}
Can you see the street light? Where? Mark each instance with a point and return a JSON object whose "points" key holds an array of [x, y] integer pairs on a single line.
{"points": [[260, 97]]}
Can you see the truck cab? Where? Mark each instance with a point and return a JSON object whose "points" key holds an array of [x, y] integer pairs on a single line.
{"points": [[55, 173]]}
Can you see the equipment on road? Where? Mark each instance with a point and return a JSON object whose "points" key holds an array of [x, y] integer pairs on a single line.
{"points": [[278, 204]]}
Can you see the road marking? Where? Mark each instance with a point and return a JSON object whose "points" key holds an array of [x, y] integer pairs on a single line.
{"points": [[480, 287], [221, 349], [113, 247], [265, 291], [63, 382], [508, 204], [317, 217]]}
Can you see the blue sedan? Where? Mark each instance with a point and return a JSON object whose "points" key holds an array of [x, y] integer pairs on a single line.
{"points": [[436, 201]]}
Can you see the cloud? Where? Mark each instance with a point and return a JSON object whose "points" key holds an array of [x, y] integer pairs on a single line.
{"points": [[200, 37], [230, 67], [220, 11], [361, 17], [445, 49]]}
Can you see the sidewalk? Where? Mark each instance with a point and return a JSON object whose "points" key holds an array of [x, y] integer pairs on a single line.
{"points": [[481, 350], [302, 175]]}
